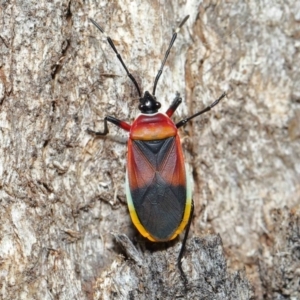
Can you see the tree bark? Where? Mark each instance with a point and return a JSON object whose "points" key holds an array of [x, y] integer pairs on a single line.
{"points": [[62, 199]]}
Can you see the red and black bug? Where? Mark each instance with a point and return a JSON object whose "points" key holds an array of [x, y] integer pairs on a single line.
{"points": [[158, 186]]}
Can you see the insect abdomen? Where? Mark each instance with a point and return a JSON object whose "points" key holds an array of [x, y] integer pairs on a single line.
{"points": [[156, 188]]}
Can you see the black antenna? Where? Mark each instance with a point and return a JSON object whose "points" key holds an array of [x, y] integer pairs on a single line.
{"points": [[167, 53], [118, 56]]}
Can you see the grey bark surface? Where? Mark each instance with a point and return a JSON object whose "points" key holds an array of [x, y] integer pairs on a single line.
{"points": [[154, 274], [62, 199]]}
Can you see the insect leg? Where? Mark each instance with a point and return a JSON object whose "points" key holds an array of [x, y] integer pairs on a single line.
{"points": [[176, 102], [184, 121], [179, 260], [113, 120]]}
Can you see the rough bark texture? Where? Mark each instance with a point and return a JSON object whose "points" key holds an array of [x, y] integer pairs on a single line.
{"points": [[154, 274], [61, 189]]}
